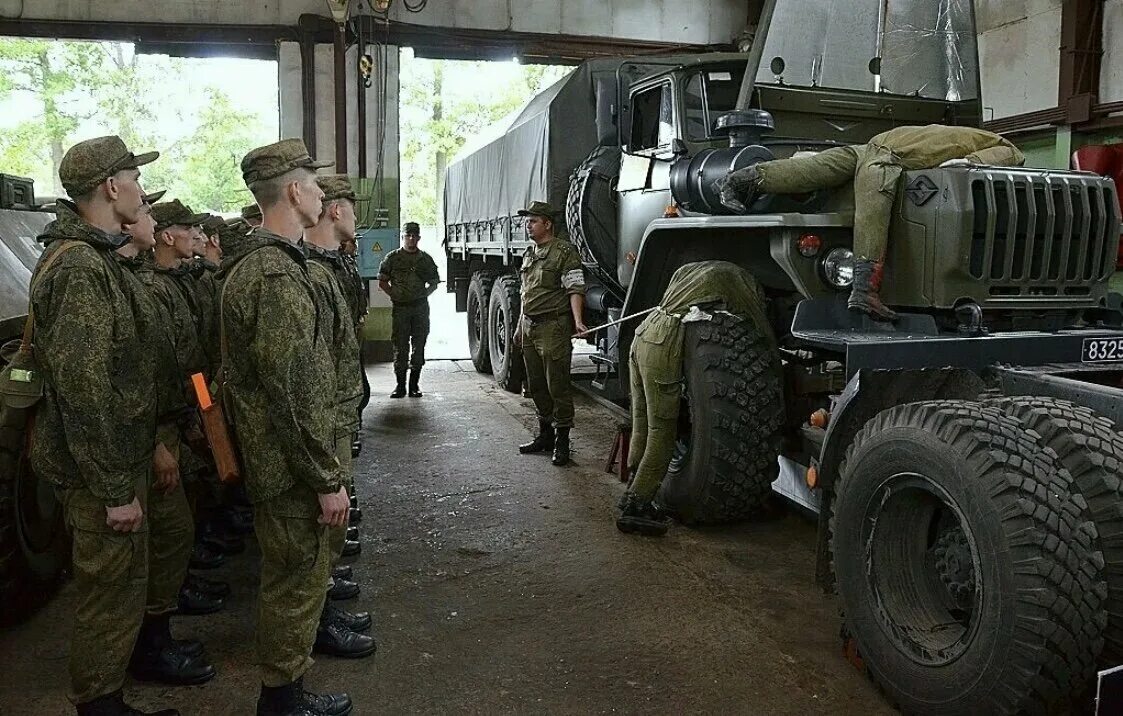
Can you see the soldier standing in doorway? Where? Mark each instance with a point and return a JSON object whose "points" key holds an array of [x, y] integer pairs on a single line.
{"points": [[409, 276], [553, 300]]}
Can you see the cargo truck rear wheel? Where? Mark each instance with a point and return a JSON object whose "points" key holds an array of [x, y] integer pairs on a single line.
{"points": [[967, 572], [502, 321], [479, 294], [726, 460]]}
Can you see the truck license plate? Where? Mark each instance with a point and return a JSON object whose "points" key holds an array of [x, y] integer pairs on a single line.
{"points": [[1102, 350]]}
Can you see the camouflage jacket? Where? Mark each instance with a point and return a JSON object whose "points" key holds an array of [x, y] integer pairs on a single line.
{"points": [[413, 276], [205, 287], [175, 290], [354, 287], [550, 274], [336, 322], [95, 336], [278, 372]]}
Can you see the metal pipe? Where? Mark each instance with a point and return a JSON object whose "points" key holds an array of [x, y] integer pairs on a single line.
{"points": [[341, 98], [617, 322], [752, 65], [308, 87], [361, 102]]}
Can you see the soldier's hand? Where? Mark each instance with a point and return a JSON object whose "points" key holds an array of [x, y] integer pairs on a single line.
{"points": [[518, 337], [166, 469], [581, 329], [126, 518], [728, 196], [334, 508]]}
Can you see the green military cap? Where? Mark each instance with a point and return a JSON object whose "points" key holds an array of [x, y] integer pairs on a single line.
{"points": [[411, 229], [277, 159], [176, 213], [251, 211], [539, 208], [89, 163], [338, 186], [213, 223], [233, 227], [154, 196]]}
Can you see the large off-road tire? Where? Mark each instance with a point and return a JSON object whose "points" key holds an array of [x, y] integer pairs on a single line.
{"points": [[479, 293], [34, 547], [726, 459], [1088, 446], [967, 571], [590, 212], [502, 320]]}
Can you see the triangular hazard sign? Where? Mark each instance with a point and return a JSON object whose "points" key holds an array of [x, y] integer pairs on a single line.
{"points": [[377, 246]]}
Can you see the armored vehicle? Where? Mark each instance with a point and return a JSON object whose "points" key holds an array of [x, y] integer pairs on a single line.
{"points": [[32, 539], [964, 462]]}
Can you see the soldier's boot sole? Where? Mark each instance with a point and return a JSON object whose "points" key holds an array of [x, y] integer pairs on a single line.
{"points": [[641, 526]]}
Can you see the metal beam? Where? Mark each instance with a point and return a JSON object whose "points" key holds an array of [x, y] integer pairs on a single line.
{"points": [[1081, 58], [185, 40], [308, 87], [340, 77]]}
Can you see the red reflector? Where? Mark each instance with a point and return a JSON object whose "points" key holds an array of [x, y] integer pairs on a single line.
{"points": [[809, 245]]}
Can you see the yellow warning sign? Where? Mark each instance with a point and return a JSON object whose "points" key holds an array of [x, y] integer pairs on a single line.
{"points": [[377, 246]]}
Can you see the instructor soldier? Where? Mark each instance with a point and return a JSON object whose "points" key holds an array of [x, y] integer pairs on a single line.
{"points": [[408, 276], [553, 300]]}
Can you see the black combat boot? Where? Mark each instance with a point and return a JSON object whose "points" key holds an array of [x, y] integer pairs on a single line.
{"points": [[561, 448], [355, 621], [544, 442], [343, 571], [354, 516], [352, 548], [342, 589], [865, 294], [210, 587], [159, 658], [640, 516], [219, 537], [292, 700], [414, 377], [738, 190], [335, 639], [400, 390], [203, 556], [353, 534], [194, 602], [114, 705]]}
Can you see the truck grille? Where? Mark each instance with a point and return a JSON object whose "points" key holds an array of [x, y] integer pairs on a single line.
{"points": [[1042, 234]]}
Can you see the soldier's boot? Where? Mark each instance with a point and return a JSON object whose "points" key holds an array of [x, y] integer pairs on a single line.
{"points": [[159, 658], [355, 621], [351, 548], [204, 556], [737, 190], [114, 705], [342, 589], [414, 388], [210, 587], [400, 390], [335, 639], [561, 448], [353, 533], [641, 516], [292, 700], [543, 442], [354, 516], [343, 571], [216, 535], [195, 602], [865, 294]]}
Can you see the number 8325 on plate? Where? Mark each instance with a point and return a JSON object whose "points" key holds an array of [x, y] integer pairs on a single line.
{"points": [[1102, 350]]}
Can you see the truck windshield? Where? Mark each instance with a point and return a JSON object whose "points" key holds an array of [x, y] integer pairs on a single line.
{"points": [[708, 95]]}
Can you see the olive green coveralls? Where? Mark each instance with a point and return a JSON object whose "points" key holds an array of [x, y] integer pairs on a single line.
{"points": [[655, 360], [876, 168]]}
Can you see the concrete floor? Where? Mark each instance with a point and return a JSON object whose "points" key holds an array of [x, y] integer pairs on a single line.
{"points": [[499, 584]]}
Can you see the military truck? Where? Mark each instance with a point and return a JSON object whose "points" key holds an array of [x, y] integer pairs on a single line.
{"points": [[964, 462], [33, 543]]}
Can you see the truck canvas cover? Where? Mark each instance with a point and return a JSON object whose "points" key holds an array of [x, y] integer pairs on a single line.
{"points": [[19, 252]]}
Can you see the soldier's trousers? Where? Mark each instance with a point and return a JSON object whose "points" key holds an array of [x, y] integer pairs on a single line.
{"points": [[110, 579], [338, 535], [875, 172], [171, 534], [410, 329], [295, 566], [547, 353], [655, 378]]}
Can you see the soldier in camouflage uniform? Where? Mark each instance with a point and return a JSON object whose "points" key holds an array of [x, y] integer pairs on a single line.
{"points": [[280, 394], [408, 276], [875, 168], [339, 630], [553, 300], [157, 656], [251, 215], [95, 430], [355, 291]]}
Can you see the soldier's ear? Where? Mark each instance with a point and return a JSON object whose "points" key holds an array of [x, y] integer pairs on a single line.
{"points": [[166, 238]]}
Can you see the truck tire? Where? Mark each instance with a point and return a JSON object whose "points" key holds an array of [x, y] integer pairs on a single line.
{"points": [[967, 572], [479, 293], [726, 460], [502, 319], [590, 212], [1088, 446], [34, 547]]}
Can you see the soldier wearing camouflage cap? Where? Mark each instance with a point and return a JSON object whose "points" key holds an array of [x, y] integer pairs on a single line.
{"points": [[409, 276], [553, 300], [277, 371], [95, 335], [251, 214]]}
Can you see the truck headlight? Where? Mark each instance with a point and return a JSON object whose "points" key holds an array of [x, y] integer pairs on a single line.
{"points": [[838, 267]]}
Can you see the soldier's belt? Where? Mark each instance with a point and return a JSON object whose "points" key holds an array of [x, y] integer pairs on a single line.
{"points": [[546, 317], [408, 304]]}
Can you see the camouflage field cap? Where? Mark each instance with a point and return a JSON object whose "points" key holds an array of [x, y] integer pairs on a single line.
{"points": [[539, 208], [338, 186], [251, 211], [232, 228], [155, 196], [411, 229], [89, 163], [176, 213], [213, 223], [274, 160]]}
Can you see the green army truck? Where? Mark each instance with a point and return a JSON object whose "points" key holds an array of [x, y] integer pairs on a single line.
{"points": [[33, 543], [964, 463]]}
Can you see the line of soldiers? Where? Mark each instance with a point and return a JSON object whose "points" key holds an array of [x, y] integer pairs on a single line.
{"points": [[130, 298]]}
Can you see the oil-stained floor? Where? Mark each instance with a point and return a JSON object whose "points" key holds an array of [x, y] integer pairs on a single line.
{"points": [[499, 584]]}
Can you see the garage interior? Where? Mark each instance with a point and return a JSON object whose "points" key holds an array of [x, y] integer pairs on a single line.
{"points": [[499, 584]]}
